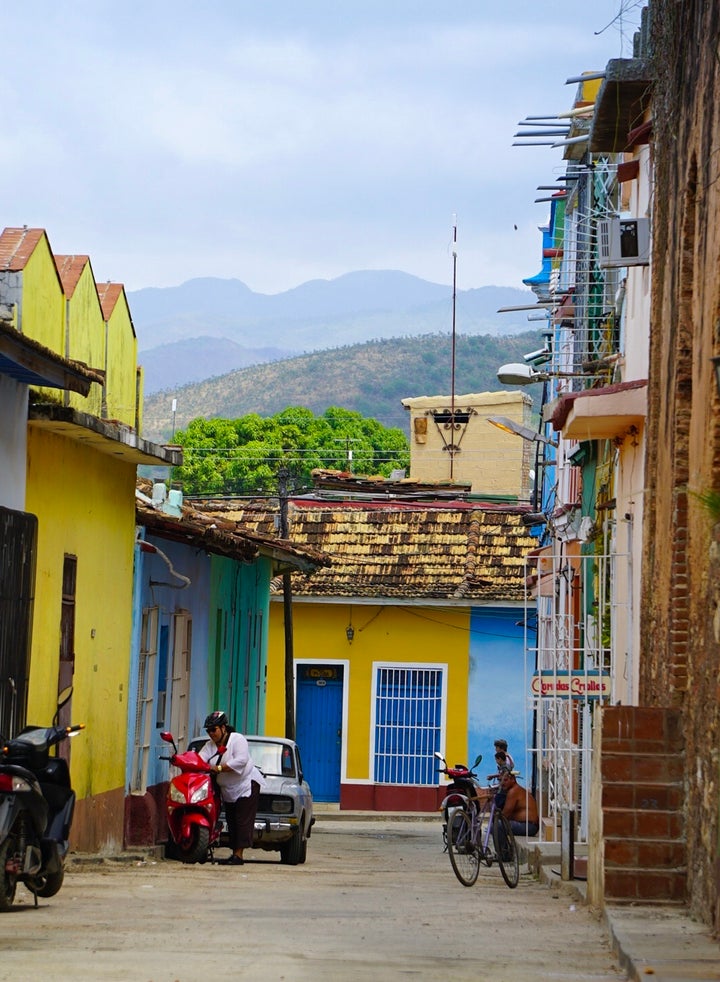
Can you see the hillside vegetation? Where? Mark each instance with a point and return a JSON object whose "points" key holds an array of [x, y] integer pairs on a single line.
{"points": [[369, 378]]}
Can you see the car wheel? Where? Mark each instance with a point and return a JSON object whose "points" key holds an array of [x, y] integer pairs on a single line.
{"points": [[294, 851]]}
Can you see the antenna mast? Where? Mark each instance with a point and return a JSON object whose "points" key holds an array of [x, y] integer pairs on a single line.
{"points": [[452, 368]]}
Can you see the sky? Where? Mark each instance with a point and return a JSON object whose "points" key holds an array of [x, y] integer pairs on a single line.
{"points": [[280, 142]]}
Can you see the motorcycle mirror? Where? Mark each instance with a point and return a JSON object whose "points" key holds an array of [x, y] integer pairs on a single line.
{"points": [[439, 756], [167, 737], [478, 760]]}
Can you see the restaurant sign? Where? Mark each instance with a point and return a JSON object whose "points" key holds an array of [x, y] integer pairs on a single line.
{"points": [[571, 685]]}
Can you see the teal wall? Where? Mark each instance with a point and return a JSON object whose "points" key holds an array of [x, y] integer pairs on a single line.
{"points": [[237, 642]]}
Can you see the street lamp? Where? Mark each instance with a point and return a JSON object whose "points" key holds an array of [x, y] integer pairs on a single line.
{"points": [[520, 374], [510, 426]]}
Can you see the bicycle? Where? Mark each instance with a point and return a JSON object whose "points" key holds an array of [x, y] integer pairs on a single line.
{"points": [[477, 831]]}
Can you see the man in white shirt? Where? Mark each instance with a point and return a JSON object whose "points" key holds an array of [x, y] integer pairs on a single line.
{"points": [[238, 779]]}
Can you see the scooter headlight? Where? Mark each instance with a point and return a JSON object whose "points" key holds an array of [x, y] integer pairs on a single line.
{"points": [[176, 795], [198, 795]]}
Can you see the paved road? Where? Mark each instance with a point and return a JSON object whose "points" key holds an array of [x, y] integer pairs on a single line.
{"points": [[374, 901]]}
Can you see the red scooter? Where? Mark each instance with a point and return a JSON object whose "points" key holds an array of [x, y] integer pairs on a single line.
{"points": [[193, 806]]}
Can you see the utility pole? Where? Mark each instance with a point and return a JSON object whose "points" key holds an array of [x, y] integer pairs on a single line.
{"points": [[283, 475]]}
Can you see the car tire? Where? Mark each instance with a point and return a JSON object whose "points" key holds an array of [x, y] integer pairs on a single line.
{"points": [[294, 851]]}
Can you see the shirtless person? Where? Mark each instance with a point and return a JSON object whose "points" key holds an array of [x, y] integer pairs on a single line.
{"points": [[520, 807]]}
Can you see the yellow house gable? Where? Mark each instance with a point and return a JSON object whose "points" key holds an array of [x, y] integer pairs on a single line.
{"points": [[121, 373], [30, 283], [84, 325]]}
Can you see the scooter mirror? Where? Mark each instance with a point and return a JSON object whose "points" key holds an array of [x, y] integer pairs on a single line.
{"points": [[167, 737], [478, 760], [439, 756]]}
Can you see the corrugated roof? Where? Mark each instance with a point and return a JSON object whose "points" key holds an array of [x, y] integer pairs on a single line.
{"points": [[458, 552]]}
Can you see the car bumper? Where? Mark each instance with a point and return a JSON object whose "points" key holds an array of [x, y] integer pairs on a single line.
{"points": [[275, 828]]}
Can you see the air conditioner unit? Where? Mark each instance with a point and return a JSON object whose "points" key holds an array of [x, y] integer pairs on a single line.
{"points": [[623, 242]]}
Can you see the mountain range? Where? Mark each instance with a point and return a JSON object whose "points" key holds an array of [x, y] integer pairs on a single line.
{"points": [[370, 378], [207, 327]]}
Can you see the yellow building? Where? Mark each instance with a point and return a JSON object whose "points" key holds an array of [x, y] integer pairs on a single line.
{"points": [[407, 643], [82, 455]]}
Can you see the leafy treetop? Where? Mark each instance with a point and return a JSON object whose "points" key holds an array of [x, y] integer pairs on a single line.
{"points": [[243, 456]]}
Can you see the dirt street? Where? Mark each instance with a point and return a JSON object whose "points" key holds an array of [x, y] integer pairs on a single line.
{"points": [[375, 901]]}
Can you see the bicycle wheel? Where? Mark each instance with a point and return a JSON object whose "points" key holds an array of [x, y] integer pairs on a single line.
{"points": [[463, 851], [506, 850]]}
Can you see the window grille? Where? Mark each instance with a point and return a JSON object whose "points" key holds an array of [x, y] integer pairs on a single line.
{"points": [[408, 724]]}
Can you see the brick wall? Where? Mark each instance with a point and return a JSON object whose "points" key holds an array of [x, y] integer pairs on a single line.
{"points": [[680, 647], [638, 849]]}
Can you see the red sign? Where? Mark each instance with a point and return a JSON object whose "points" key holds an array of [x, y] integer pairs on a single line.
{"points": [[571, 685]]}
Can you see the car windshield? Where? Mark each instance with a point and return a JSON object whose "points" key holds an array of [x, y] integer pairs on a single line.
{"points": [[273, 759]]}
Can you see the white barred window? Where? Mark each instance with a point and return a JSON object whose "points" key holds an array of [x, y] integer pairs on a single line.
{"points": [[408, 724]]}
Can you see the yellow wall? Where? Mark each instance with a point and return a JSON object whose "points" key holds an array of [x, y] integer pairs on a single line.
{"points": [[382, 634], [43, 301], [494, 462], [85, 504], [86, 338], [121, 382]]}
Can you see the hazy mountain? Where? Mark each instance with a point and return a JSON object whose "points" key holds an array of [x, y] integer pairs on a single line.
{"points": [[353, 308], [370, 378], [199, 358]]}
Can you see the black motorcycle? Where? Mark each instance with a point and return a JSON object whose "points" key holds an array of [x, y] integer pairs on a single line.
{"points": [[464, 791], [36, 810]]}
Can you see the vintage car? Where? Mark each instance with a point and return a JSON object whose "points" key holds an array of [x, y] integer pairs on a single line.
{"points": [[284, 817]]}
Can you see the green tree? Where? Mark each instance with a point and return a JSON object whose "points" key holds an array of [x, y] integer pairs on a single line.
{"points": [[242, 456]]}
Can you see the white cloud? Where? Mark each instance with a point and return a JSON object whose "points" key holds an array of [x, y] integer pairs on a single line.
{"points": [[276, 142]]}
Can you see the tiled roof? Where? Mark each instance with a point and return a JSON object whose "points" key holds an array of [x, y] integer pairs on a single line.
{"points": [[456, 552], [70, 269], [109, 294], [16, 247], [221, 535]]}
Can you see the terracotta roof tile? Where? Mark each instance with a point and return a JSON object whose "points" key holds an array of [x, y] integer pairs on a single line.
{"points": [[109, 294], [461, 552], [70, 270], [17, 246]]}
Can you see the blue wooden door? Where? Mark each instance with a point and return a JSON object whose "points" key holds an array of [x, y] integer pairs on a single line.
{"points": [[319, 727]]}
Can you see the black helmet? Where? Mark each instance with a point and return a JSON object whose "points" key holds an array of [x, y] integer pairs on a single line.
{"points": [[218, 718]]}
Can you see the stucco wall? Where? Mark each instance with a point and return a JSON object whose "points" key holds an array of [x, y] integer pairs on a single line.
{"points": [[85, 339], [85, 507], [42, 301], [121, 378], [382, 634]]}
